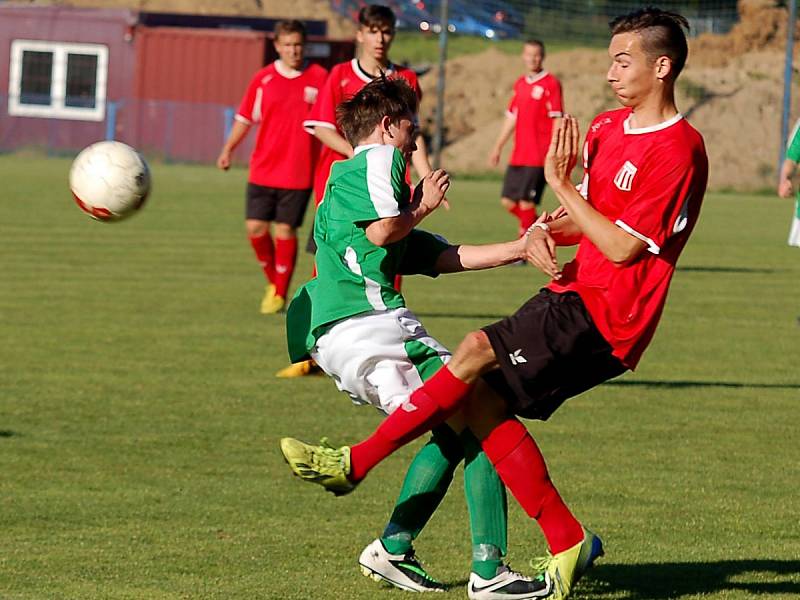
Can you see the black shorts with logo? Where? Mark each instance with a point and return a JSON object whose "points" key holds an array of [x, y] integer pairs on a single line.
{"points": [[524, 183], [549, 350], [276, 204]]}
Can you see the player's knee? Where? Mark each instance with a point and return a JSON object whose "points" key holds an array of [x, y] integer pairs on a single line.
{"points": [[473, 357], [284, 231], [256, 228]]}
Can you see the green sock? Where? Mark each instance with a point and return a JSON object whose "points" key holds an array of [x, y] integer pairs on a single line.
{"points": [[426, 483], [488, 508]]}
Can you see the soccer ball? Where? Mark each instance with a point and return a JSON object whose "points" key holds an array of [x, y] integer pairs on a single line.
{"points": [[109, 180]]}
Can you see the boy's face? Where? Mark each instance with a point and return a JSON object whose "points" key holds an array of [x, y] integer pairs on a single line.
{"points": [[402, 135], [532, 57], [289, 47], [375, 41], [633, 76]]}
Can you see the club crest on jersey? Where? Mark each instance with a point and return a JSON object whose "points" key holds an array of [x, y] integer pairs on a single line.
{"points": [[537, 92], [310, 94], [624, 177]]}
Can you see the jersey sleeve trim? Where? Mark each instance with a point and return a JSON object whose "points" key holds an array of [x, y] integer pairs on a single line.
{"points": [[555, 114], [379, 181], [309, 125], [652, 247], [242, 119]]}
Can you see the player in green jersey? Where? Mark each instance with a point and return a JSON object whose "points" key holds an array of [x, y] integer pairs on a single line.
{"points": [[356, 326], [785, 184]]}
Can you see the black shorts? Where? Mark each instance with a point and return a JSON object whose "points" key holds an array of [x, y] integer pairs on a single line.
{"points": [[548, 351], [524, 183], [276, 204]]}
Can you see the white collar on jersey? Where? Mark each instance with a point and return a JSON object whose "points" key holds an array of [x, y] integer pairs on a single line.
{"points": [[536, 77], [363, 147], [363, 75], [626, 125], [285, 71]]}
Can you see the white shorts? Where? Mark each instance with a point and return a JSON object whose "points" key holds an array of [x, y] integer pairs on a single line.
{"points": [[379, 358]]}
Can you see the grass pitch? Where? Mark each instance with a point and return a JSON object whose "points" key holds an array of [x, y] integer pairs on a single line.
{"points": [[139, 415]]}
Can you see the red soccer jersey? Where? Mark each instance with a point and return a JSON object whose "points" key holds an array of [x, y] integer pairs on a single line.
{"points": [[535, 103], [650, 182], [283, 156], [345, 80]]}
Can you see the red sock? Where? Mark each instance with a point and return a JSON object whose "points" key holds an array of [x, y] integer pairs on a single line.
{"points": [[398, 282], [426, 407], [521, 466], [514, 210], [265, 253], [285, 258], [526, 218]]}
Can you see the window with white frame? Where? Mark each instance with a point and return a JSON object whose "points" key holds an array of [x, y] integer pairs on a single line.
{"points": [[57, 80]]}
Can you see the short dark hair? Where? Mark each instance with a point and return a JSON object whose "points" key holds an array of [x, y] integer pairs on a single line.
{"points": [[382, 97], [662, 33], [534, 42], [289, 26], [376, 15]]}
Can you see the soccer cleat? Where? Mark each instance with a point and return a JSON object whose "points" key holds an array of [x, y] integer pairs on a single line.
{"points": [[301, 369], [324, 464], [271, 303], [567, 567], [508, 585], [403, 571]]}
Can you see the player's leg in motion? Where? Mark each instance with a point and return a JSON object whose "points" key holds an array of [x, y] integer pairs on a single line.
{"points": [[507, 443], [264, 248]]}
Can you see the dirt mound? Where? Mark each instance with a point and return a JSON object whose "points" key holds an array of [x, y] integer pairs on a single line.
{"points": [[762, 26], [338, 26], [731, 91]]}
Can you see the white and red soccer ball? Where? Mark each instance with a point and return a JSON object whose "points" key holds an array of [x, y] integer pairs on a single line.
{"points": [[109, 180]]}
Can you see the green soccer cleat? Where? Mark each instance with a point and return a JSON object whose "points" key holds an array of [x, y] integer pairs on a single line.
{"points": [[567, 567], [323, 464]]}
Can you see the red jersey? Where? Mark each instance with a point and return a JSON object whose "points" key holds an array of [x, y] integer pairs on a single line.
{"points": [[283, 156], [535, 103], [344, 81], [650, 182]]}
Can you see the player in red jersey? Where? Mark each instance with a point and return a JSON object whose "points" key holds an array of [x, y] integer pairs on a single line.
{"points": [[536, 102], [278, 100], [645, 176]]}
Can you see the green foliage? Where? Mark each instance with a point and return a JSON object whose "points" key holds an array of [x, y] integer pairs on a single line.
{"points": [[423, 49], [139, 417]]}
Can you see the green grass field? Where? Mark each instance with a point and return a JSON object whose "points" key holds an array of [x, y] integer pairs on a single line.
{"points": [[139, 415]]}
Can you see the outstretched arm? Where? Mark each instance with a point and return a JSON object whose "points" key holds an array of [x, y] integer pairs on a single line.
{"points": [[473, 258]]}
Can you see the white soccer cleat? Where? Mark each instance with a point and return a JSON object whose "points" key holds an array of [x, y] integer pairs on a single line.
{"points": [[403, 571], [508, 585]]}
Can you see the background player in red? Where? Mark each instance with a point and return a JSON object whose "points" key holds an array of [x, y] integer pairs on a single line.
{"points": [[646, 171], [536, 102], [278, 100], [376, 30]]}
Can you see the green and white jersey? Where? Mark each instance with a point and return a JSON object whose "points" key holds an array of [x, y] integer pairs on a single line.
{"points": [[354, 276]]}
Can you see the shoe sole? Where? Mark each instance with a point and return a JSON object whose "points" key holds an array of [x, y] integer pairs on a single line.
{"points": [[375, 576]]}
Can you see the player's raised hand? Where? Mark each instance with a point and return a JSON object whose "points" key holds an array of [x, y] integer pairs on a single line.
{"points": [[540, 248], [434, 188], [563, 152]]}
